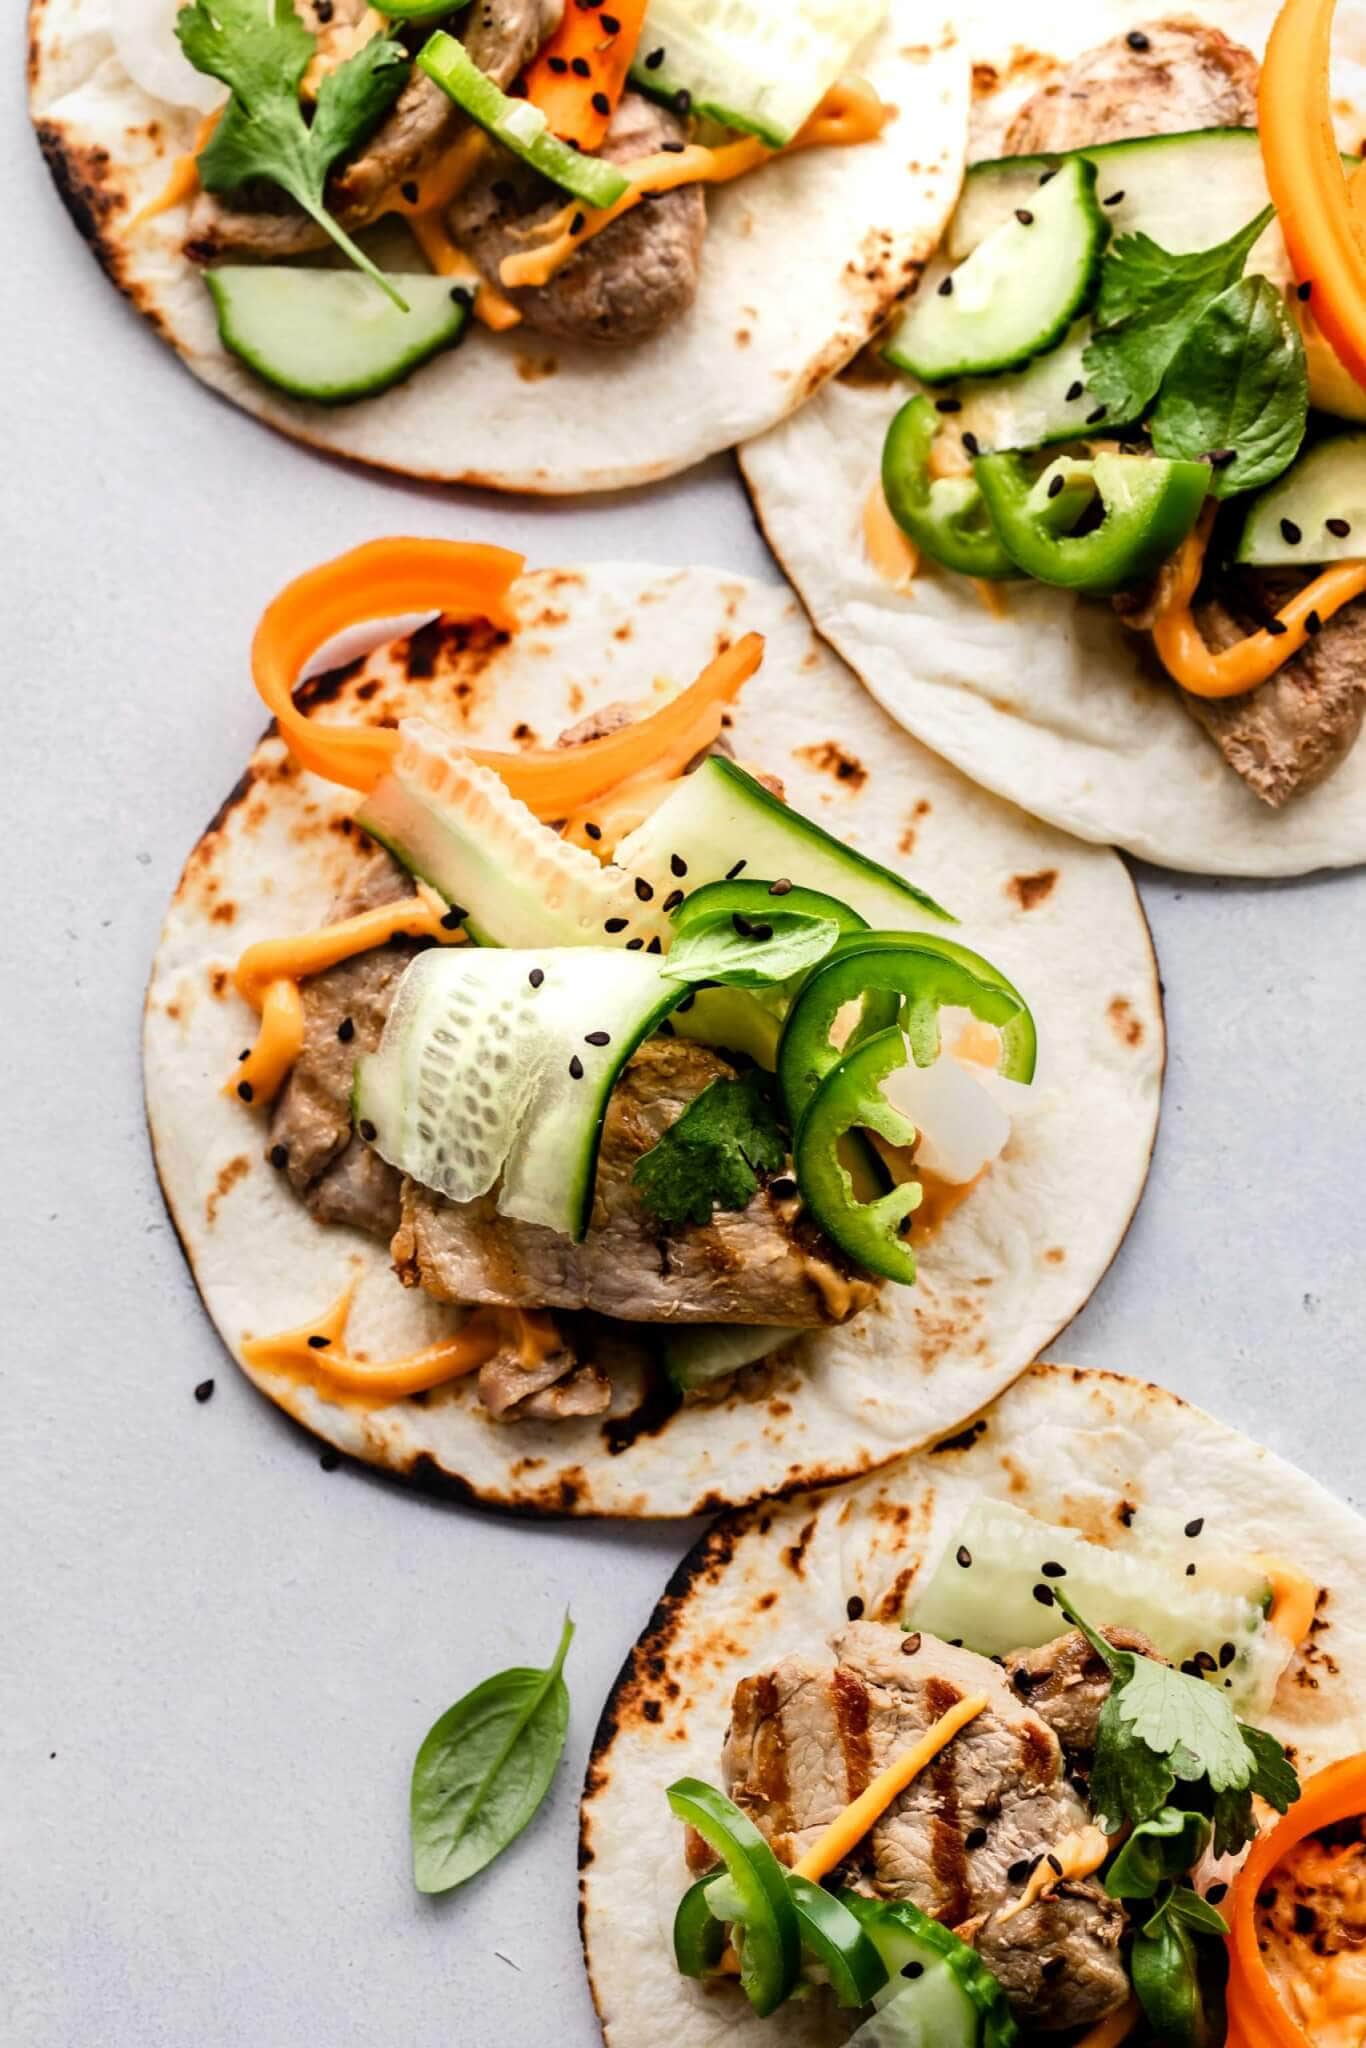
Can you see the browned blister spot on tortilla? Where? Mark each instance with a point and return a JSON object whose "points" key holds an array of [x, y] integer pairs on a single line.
{"points": [[1127, 1028], [962, 1439], [911, 829], [225, 1181], [1055, 1255], [532, 369], [1030, 891], [224, 913], [830, 758], [795, 1554]]}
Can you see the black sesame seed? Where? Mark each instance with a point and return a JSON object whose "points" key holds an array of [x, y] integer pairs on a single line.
{"points": [[1044, 1595], [320, 1343], [1227, 1653], [1220, 458], [1218, 1890], [279, 1156], [971, 443], [1018, 1873], [204, 1392], [762, 933], [367, 1130], [576, 226], [682, 101], [913, 1970], [245, 1054], [505, 190], [453, 918], [910, 1644], [654, 60], [743, 927], [644, 889], [964, 1556], [346, 1030], [672, 900], [1113, 200], [1191, 1668], [946, 288], [1053, 1968], [1193, 1528], [557, 65], [1054, 1864], [593, 831], [1046, 176], [948, 405], [1340, 528], [686, 1004], [1053, 1571], [245, 1090], [673, 148], [616, 924], [634, 945], [1024, 216], [1275, 627], [783, 1188], [677, 865], [975, 1838], [601, 104], [1204, 1661], [782, 887], [597, 1038], [536, 976], [731, 873], [329, 1459], [1055, 485], [853, 1607], [1312, 624], [611, 26], [576, 1068], [1190, 1571], [1290, 533], [1302, 291], [580, 68], [1137, 40], [1094, 418], [654, 946], [1074, 391]]}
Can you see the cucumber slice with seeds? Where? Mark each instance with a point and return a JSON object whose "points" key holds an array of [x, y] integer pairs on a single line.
{"points": [[1017, 293], [759, 69], [1289, 522], [332, 335]]}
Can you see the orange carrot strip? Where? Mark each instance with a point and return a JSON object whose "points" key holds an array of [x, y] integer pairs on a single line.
{"points": [[580, 74]]}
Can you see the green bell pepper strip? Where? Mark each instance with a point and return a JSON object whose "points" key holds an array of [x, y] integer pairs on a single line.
{"points": [[1150, 506], [699, 1938], [945, 516], [518, 125], [771, 1950], [906, 975], [850, 1098], [756, 899], [833, 1938]]}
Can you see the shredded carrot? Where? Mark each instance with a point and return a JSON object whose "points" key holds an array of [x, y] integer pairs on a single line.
{"points": [[580, 74], [467, 580]]}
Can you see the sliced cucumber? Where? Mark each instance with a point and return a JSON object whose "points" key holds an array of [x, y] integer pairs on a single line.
{"points": [[518, 125], [697, 1354], [1288, 522], [486, 1068], [938, 1992], [990, 1602], [753, 65], [1046, 402], [1019, 290], [719, 822], [331, 335]]}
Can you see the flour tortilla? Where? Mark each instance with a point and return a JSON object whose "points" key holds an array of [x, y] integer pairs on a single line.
{"points": [[801, 263], [1007, 1270], [1057, 705], [1082, 1448]]}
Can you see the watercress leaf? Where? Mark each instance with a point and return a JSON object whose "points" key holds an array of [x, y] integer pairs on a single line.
{"points": [[484, 1768], [746, 952], [1238, 381], [713, 1156], [1158, 1849], [1149, 299]]}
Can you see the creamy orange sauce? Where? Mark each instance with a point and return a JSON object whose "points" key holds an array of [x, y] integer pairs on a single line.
{"points": [[183, 182], [1294, 1599], [1114, 2028], [268, 975], [893, 554], [316, 1352], [1076, 1855], [979, 1044], [1184, 654], [990, 596], [851, 112], [600, 826], [1311, 1928], [336, 42], [847, 1829]]}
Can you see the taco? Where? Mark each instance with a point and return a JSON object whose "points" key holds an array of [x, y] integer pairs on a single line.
{"points": [[564, 1218], [1106, 551], [656, 228], [970, 1752]]}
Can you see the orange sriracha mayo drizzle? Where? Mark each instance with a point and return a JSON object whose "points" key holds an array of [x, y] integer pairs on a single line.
{"points": [[893, 554], [1294, 1599], [316, 1352], [1076, 1855], [847, 1829], [183, 182], [1114, 2028], [851, 112], [268, 975], [1241, 667]]}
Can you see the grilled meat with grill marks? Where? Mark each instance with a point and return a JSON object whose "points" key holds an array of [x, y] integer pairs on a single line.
{"points": [[1067, 1684], [807, 1737]]}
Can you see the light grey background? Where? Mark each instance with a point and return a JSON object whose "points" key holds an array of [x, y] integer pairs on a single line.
{"points": [[216, 1660]]}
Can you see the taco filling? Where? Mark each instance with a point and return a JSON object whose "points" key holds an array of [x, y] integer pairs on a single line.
{"points": [[607, 1043], [1018, 1806], [550, 162], [1139, 356]]}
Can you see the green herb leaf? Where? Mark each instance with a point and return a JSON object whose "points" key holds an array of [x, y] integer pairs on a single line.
{"points": [[1165, 1847], [1274, 1779], [261, 50], [1148, 302], [713, 1156], [745, 952], [1165, 1969], [484, 1768], [1188, 1906], [1237, 381]]}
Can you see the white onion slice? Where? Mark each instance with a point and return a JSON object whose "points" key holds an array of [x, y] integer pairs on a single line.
{"points": [[145, 41], [962, 1129]]}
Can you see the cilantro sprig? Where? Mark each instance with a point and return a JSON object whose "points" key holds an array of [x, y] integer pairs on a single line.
{"points": [[260, 50], [713, 1156]]}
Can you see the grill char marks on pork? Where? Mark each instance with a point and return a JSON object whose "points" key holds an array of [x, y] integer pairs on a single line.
{"points": [[806, 1738], [755, 1265], [630, 282], [1184, 75], [1067, 1683], [337, 1177]]}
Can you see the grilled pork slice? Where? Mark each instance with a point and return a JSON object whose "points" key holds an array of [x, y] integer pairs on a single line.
{"points": [[337, 1177], [762, 1264], [807, 1737], [1067, 1684], [628, 283], [1160, 78], [544, 1386]]}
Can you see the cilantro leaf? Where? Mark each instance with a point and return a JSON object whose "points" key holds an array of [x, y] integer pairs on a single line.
{"points": [[745, 952], [261, 50], [1238, 381], [1188, 1721], [1273, 1778], [713, 1156], [1128, 1780], [1148, 302]]}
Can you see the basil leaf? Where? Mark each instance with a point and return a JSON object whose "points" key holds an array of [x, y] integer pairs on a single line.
{"points": [[1148, 302], [484, 1768], [745, 952], [1238, 381]]}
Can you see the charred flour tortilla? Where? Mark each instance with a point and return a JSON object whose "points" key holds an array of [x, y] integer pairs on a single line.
{"points": [[1055, 704], [801, 262], [1089, 1450], [1007, 1269]]}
